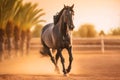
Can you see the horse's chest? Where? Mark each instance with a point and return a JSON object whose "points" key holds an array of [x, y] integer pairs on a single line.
{"points": [[64, 42]]}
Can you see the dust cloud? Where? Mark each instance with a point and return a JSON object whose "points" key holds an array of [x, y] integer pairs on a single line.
{"points": [[84, 64], [34, 63]]}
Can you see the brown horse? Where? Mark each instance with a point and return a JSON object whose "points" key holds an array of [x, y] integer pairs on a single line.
{"points": [[58, 36]]}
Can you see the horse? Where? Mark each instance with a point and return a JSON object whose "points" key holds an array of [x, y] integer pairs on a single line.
{"points": [[57, 36]]}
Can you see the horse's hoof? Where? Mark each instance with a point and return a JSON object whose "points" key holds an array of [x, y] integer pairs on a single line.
{"points": [[66, 75], [67, 71]]}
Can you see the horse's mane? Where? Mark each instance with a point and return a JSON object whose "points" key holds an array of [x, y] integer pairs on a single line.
{"points": [[57, 16]]}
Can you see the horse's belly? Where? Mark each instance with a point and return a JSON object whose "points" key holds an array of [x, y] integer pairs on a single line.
{"points": [[49, 43]]}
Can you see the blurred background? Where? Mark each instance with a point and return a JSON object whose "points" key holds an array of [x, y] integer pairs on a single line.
{"points": [[96, 33]]}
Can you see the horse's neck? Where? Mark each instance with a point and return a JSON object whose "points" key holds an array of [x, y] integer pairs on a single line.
{"points": [[60, 28], [59, 35], [58, 25]]}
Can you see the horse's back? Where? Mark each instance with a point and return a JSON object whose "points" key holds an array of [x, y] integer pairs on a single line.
{"points": [[46, 26]]}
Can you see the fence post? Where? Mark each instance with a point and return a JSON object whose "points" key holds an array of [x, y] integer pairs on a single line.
{"points": [[102, 44]]}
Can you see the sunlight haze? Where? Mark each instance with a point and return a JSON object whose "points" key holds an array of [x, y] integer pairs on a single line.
{"points": [[103, 14]]}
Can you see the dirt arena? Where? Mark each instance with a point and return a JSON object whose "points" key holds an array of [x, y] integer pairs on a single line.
{"points": [[86, 66]]}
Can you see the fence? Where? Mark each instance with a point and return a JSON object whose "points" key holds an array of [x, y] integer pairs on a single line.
{"points": [[87, 44]]}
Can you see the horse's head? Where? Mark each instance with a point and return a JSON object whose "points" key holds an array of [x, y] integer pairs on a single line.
{"points": [[68, 17]]}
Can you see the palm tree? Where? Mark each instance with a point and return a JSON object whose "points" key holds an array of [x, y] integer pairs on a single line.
{"points": [[17, 22], [1, 42], [31, 17], [16, 18], [2, 25], [9, 33], [8, 9], [16, 37], [12, 8]]}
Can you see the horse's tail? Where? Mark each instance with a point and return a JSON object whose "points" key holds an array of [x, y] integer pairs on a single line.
{"points": [[44, 49]]}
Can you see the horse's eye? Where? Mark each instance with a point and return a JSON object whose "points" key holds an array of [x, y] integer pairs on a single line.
{"points": [[71, 12]]}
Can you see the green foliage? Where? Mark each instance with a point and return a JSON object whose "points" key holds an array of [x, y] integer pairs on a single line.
{"points": [[37, 30], [87, 30], [16, 20], [115, 31], [30, 15], [8, 9], [24, 15]]}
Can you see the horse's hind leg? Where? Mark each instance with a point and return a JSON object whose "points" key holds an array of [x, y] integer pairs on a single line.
{"points": [[46, 50], [57, 57], [52, 58]]}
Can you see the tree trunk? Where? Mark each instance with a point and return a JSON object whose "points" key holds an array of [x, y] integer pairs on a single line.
{"points": [[23, 33], [1, 43], [9, 32], [28, 36], [9, 45], [16, 38]]}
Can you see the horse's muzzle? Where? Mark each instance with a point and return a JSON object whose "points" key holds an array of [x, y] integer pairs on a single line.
{"points": [[72, 27]]}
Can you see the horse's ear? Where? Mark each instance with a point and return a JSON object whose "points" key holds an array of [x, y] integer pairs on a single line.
{"points": [[64, 6], [72, 6]]}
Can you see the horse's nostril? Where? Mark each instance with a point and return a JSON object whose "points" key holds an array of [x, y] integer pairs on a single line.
{"points": [[73, 27]]}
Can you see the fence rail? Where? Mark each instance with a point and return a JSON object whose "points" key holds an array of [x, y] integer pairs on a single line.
{"points": [[87, 44]]}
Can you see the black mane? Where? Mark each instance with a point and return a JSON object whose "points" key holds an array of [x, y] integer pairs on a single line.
{"points": [[57, 16]]}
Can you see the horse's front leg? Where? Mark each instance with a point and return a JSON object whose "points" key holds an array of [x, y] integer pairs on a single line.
{"points": [[62, 60], [69, 49]]}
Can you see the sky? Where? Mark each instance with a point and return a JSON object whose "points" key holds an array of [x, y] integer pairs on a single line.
{"points": [[103, 14]]}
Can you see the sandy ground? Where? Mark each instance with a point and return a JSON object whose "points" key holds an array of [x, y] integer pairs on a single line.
{"points": [[86, 66]]}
